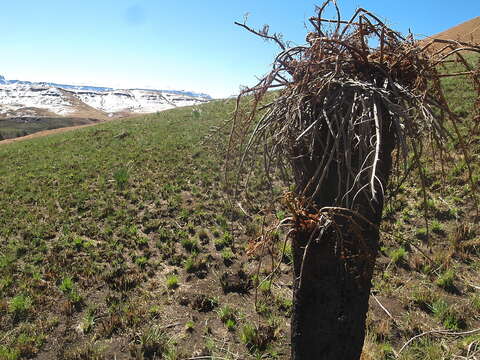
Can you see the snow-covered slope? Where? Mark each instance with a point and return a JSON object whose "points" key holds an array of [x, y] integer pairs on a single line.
{"points": [[14, 97], [136, 101], [20, 98]]}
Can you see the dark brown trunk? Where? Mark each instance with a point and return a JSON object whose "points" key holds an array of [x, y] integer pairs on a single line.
{"points": [[331, 303], [331, 297]]}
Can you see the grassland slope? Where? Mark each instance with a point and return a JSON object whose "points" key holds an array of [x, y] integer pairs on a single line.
{"points": [[117, 241]]}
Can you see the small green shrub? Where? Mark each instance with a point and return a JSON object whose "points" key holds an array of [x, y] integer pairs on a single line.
{"points": [[424, 349], [476, 302], [429, 204], [152, 343], [7, 353], [226, 313], [142, 242], [439, 307], [154, 311], [75, 297], [398, 255], [222, 221], [447, 315], [421, 233], [5, 282], [132, 230], [172, 281], [248, 335], [228, 238], [457, 170], [78, 243], [446, 281], [265, 286], [66, 285], [190, 244], [88, 321], [423, 298], [121, 177], [437, 227], [285, 305], [196, 113], [224, 241], [230, 324], [184, 214], [256, 339], [189, 326], [141, 261], [191, 264], [164, 235], [264, 308], [280, 215], [227, 255], [191, 228], [19, 306]]}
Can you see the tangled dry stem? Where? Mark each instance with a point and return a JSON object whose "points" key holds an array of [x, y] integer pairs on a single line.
{"points": [[339, 97]]}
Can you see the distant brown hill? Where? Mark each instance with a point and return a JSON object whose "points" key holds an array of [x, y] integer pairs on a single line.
{"points": [[468, 31]]}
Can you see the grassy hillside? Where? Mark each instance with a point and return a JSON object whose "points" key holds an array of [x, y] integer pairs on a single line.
{"points": [[21, 126], [117, 241]]}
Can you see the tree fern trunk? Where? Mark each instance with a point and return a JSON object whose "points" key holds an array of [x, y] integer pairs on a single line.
{"points": [[331, 292], [331, 303]]}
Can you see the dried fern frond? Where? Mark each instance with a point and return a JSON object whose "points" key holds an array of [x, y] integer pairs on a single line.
{"points": [[341, 100]]}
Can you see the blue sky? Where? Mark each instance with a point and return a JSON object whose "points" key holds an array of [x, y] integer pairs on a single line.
{"points": [[184, 45]]}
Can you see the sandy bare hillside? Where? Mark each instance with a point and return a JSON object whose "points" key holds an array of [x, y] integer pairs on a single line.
{"points": [[468, 31]]}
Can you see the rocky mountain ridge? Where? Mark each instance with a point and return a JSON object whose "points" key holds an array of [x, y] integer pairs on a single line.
{"points": [[26, 98]]}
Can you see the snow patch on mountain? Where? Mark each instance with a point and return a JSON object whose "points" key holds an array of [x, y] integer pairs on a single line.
{"points": [[14, 97], [136, 101], [61, 99]]}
